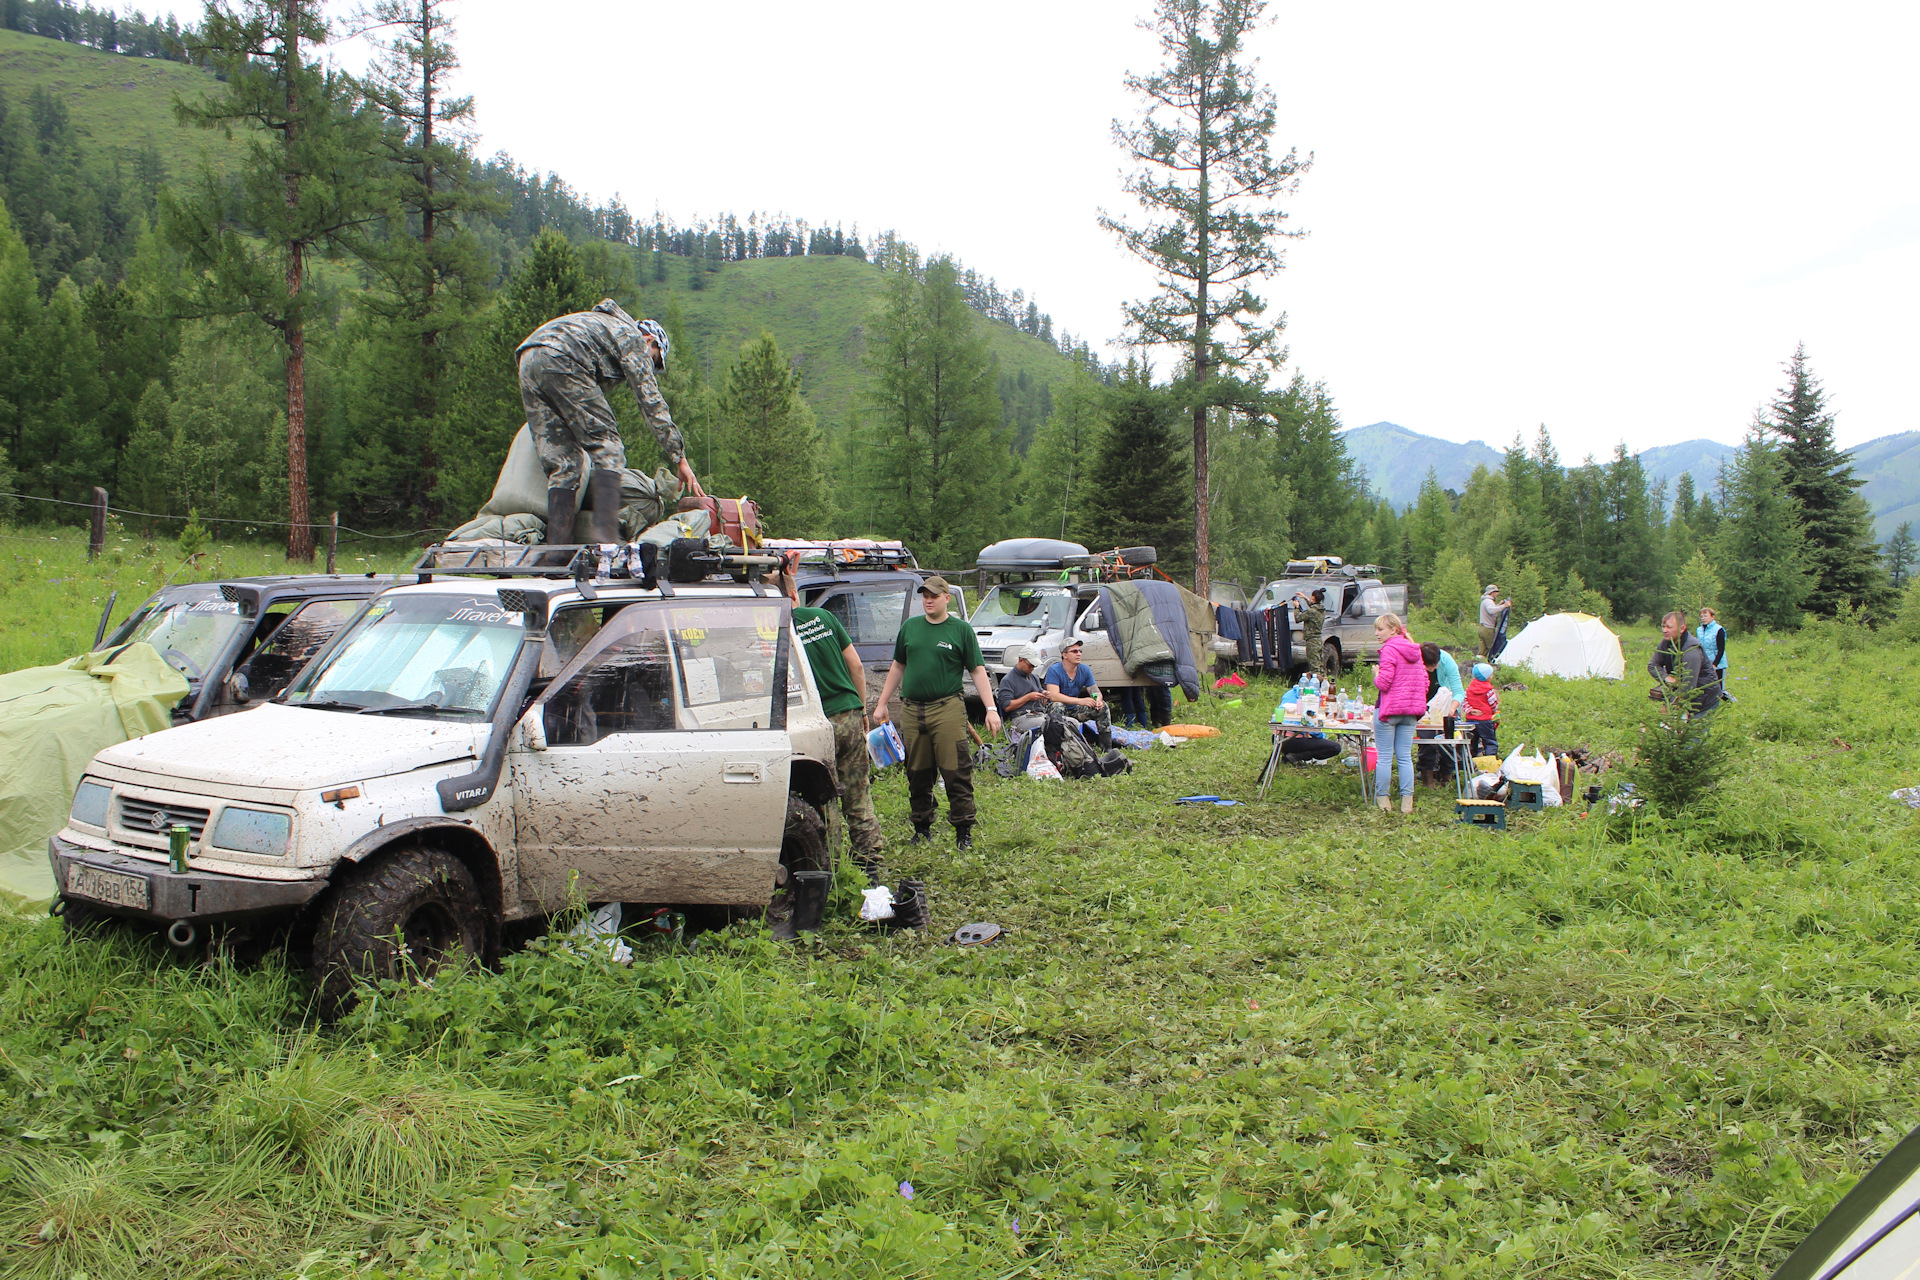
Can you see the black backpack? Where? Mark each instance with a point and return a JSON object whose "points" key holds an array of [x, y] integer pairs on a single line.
{"points": [[1067, 747]]}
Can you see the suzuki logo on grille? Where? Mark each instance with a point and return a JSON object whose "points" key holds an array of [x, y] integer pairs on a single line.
{"points": [[159, 820]]}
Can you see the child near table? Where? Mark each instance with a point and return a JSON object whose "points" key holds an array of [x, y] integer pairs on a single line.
{"points": [[1483, 711]]}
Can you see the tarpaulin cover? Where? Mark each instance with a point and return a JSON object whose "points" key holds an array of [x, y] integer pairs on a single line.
{"points": [[52, 722]]}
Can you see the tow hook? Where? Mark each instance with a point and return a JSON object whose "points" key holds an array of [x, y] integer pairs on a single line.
{"points": [[181, 934]]}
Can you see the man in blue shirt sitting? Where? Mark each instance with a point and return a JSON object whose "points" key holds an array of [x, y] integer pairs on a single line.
{"points": [[1070, 687]]}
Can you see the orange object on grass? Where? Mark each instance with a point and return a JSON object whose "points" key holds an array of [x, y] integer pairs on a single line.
{"points": [[1190, 730]]}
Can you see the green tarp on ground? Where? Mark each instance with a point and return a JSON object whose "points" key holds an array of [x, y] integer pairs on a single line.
{"points": [[52, 722]]}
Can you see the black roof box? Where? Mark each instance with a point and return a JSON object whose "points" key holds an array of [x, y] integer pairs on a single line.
{"points": [[1028, 555]]}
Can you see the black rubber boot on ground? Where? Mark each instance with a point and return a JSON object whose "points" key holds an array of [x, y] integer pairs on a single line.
{"points": [[808, 893], [923, 833], [963, 836], [603, 499], [873, 867]]}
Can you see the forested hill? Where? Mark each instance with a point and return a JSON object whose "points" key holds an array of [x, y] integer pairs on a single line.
{"points": [[818, 308]]}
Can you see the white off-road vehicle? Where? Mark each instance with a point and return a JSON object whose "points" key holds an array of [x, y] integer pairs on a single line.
{"points": [[474, 751]]}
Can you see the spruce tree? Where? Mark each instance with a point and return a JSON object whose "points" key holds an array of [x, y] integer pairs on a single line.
{"points": [[1141, 491], [774, 451], [1055, 480], [1428, 528], [1760, 550], [1839, 528], [1250, 505], [1900, 556]]}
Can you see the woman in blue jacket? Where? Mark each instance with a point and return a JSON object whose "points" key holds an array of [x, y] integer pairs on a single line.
{"points": [[1713, 638]]}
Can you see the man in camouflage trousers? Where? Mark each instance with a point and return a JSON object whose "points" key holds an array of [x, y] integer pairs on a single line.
{"points": [[566, 365], [842, 681], [1313, 623]]}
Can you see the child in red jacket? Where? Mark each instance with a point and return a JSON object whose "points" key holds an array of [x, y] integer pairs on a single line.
{"points": [[1483, 711]]}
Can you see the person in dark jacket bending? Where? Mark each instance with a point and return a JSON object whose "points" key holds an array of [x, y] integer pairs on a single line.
{"points": [[1680, 664]]}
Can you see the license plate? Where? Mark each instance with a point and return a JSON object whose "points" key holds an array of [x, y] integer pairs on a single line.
{"points": [[107, 886]]}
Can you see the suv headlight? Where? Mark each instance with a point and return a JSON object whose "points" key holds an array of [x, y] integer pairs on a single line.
{"points": [[253, 831], [90, 803]]}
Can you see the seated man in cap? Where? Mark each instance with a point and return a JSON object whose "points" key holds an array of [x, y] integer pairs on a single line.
{"points": [[1020, 691], [1070, 687]]}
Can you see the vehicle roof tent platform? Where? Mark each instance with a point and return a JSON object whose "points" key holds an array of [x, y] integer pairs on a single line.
{"points": [[1574, 645]]}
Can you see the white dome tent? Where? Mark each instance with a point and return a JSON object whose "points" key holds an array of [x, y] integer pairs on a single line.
{"points": [[1574, 645]]}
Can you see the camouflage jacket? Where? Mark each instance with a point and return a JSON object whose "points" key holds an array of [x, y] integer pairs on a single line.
{"points": [[606, 343]]}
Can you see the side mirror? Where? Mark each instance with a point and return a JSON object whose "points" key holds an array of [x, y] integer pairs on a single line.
{"points": [[241, 687], [533, 730]]}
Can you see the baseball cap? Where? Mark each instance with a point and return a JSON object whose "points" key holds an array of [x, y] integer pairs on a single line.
{"points": [[935, 586], [1018, 651], [1073, 644]]}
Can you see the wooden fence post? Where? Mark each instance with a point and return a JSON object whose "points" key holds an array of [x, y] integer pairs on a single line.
{"points": [[97, 536], [333, 539]]}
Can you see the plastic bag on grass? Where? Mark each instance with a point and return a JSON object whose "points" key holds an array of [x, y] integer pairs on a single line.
{"points": [[1520, 767], [604, 923]]}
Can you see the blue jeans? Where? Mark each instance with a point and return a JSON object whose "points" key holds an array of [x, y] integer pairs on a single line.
{"points": [[1393, 740]]}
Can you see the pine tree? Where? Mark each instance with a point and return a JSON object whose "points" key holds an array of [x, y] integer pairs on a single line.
{"points": [[308, 185], [1140, 493], [1521, 582], [1428, 528], [1698, 587], [1839, 528], [939, 461], [432, 270], [1574, 596], [1900, 556], [1250, 505], [1055, 479], [1760, 549], [774, 450], [1455, 591], [1208, 183]]}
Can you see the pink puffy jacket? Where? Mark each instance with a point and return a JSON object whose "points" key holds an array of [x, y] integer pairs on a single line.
{"points": [[1401, 679]]}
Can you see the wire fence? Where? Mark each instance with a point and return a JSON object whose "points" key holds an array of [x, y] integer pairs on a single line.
{"points": [[316, 525]]}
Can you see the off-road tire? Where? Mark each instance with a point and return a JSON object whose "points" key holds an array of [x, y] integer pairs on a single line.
{"points": [[425, 896], [1139, 557], [1330, 651]]}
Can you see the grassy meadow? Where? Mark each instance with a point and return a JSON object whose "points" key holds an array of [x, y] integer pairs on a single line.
{"points": [[1288, 1038]]}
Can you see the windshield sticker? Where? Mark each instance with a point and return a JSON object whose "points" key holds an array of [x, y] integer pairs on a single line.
{"points": [[214, 606], [690, 625], [483, 616]]}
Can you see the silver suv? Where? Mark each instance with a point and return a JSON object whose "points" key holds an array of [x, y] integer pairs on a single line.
{"points": [[466, 755]]}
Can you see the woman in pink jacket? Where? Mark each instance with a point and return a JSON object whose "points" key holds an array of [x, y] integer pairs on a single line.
{"points": [[1401, 679]]}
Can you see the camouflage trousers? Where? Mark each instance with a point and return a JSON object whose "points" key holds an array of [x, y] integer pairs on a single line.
{"points": [[567, 415], [851, 762], [1313, 622]]}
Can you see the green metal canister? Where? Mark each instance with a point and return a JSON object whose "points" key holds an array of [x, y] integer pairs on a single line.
{"points": [[177, 836]]}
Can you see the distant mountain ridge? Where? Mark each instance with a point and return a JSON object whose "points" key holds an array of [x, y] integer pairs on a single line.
{"points": [[1396, 461]]}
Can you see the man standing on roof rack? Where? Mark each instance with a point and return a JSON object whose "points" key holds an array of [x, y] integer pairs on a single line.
{"points": [[930, 655], [566, 365], [842, 682]]}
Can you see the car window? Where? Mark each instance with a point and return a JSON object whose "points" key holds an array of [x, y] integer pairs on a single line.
{"points": [[659, 667], [870, 617], [1374, 601], [293, 643], [438, 654], [568, 632]]}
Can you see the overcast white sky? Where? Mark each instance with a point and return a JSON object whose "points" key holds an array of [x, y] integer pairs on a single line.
{"points": [[1615, 220]]}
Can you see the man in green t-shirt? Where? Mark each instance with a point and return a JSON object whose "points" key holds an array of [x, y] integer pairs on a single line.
{"points": [[930, 656], [842, 682]]}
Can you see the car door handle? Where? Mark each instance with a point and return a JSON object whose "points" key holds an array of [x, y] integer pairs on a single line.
{"points": [[743, 771]]}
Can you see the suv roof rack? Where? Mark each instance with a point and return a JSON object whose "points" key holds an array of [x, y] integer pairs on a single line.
{"points": [[588, 564], [837, 554]]}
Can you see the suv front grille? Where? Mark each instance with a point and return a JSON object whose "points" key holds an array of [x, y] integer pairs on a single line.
{"points": [[992, 656], [152, 818]]}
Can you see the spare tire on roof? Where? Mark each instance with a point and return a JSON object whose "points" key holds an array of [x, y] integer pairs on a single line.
{"points": [[1139, 557]]}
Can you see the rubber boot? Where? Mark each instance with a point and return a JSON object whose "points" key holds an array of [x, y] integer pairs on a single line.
{"points": [[872, 866], [922, 833], [963, 836], [603, 499], [560, 513], [807, 890]]}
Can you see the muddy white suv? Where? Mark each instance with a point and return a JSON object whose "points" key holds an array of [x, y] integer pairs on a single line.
{"points": [[472, 752]]}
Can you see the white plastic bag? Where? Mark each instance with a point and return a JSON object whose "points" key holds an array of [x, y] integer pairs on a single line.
{"points": [[604, 923], [1520, 767], [1038, 766], [876, 903]]}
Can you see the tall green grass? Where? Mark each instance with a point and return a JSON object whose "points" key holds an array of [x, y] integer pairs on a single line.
{"points": [[1292, 1037]]}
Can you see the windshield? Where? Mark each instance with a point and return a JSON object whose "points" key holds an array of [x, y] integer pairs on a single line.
{"points": [[190, 634], [1025, 606], [434, 655]]}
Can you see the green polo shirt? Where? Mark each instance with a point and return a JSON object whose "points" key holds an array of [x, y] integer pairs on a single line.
{"points": [[934, 658], [826, 641]]}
